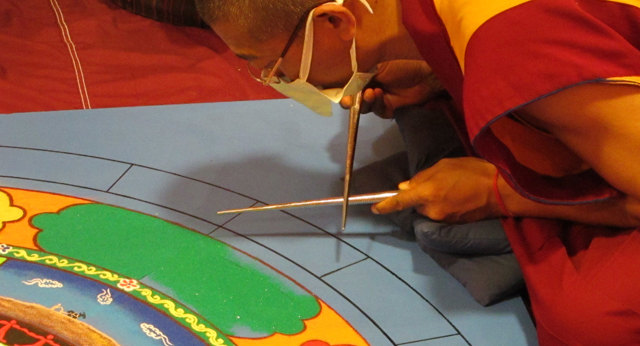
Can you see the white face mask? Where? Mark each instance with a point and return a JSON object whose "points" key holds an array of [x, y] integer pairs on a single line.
{"points": [[319, 100]]}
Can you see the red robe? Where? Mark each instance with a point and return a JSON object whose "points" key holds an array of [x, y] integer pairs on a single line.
{"points": [[496, 56]]}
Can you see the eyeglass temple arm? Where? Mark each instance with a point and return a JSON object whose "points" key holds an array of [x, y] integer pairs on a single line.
{"points": [[292, 39]]}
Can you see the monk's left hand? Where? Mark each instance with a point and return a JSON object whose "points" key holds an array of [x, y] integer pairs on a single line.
{"points": [[458, 190]]}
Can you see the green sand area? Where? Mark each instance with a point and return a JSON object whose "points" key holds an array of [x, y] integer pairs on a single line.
{"points": [[238, 294]]}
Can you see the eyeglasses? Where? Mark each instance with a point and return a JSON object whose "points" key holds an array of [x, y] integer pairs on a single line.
{"points": [[270, 72]]}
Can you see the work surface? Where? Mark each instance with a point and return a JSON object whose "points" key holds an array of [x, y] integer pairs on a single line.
{"points": [[249, 279]]}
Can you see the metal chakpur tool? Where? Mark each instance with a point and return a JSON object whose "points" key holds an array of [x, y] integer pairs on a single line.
{"points": [[368, 198], [345, 200], [354, 122]]}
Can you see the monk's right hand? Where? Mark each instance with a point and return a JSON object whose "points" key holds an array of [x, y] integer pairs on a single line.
{"points": [[398, 83]]}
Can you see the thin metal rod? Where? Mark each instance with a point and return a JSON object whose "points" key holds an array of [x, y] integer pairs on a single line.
{"points": [[354, 120], [369, 198]]}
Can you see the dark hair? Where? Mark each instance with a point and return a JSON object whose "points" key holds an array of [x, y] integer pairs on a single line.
{"points": [[261, 19]]}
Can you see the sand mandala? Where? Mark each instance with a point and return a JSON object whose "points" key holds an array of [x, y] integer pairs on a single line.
{"points": [[76, 272]]}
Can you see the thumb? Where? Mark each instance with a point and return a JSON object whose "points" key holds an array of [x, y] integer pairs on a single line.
{"points": [[403, 200], [345, 102]]}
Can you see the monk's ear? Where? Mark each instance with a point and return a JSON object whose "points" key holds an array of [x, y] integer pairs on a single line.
{"points": [[337, 19]]}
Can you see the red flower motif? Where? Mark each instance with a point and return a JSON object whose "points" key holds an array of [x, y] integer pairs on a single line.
{"points": [[128, 284]]}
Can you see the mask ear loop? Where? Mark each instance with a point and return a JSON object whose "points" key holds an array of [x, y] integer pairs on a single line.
{"points": [[352, 53], [308, 14], [307, 51], [307, 48], [354, 62]]}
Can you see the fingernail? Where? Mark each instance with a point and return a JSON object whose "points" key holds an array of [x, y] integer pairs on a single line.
{"points": [[403, 185], [374, 210]]}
